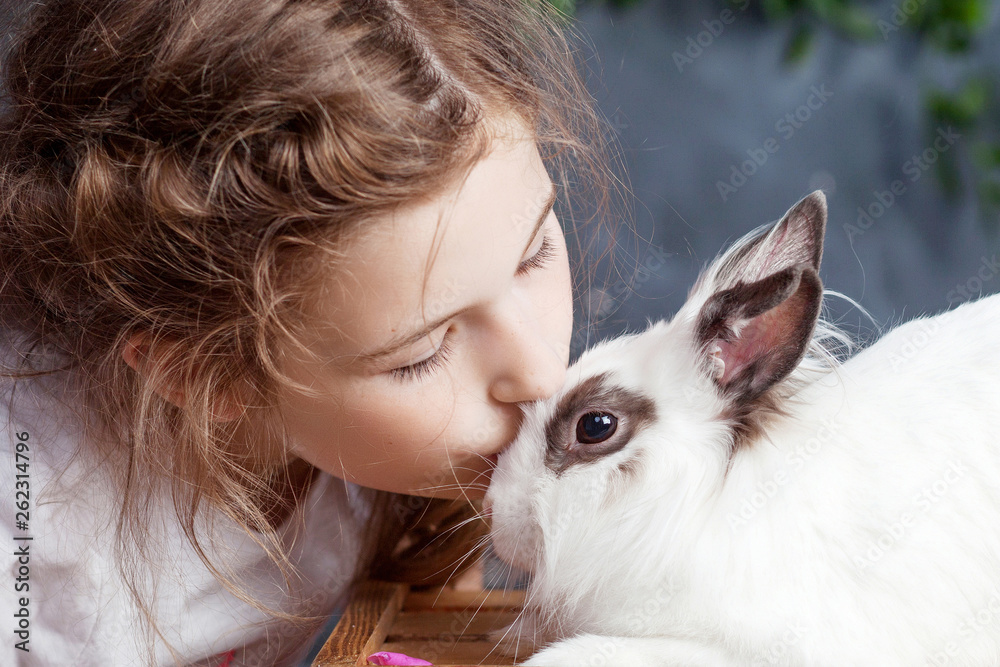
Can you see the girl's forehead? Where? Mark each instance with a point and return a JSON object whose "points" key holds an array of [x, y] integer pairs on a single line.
{"points": [[427, 261]]}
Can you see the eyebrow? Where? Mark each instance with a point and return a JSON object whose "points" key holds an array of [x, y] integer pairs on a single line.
{"points": [[410, 339]]}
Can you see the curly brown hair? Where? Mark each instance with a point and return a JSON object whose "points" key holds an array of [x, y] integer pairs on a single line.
{"points": [[173, 171]]}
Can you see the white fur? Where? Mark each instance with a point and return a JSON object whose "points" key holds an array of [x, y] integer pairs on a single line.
{"points": [[862, 529]]}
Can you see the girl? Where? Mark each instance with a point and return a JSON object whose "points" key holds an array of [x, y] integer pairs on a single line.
{"points": [[276, 277]]}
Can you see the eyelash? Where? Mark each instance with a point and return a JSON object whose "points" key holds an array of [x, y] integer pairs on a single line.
{"points": [[544, 254], [421, 368], [417, 370]]}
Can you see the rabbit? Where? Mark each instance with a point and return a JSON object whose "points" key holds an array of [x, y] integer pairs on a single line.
{"points": [[726, 488]]}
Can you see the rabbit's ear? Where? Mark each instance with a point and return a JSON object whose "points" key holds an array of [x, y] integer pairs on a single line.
{"points": [[796, 239], [757, 324]]}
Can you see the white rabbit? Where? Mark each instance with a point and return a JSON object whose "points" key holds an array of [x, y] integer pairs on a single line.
{"points": [[720, 490]]}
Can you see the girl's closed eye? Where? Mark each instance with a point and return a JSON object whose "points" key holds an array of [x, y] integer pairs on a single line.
{"points": [[544, 254], [436, 360], [417, 370]]}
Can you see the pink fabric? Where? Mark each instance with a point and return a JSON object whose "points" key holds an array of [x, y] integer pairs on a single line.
{"points": [[390, 658], [227, 659]]}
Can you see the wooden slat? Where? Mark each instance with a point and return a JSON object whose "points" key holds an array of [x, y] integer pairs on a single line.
{"points": [[451, 600], [364, 625], [457, 653], [444, 626], [436, 625]]}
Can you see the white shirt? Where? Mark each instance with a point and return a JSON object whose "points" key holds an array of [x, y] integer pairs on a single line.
{"points": [[78, 611]]}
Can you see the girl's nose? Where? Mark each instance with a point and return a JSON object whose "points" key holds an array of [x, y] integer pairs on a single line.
{"points": [[526, 362]]}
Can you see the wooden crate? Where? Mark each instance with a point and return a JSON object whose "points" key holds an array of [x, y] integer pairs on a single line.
{"points": [[445, 626]]}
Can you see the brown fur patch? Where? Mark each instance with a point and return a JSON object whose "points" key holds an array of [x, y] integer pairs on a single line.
{"points": [[595, 394]]}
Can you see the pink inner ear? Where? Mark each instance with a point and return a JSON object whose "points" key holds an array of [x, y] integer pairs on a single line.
{"points": [[776, 248], [758, 337]]}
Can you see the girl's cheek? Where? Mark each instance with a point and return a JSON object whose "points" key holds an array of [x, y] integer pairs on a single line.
{"points": [[557, 296]]}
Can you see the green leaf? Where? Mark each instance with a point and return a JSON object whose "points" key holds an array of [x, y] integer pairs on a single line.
{"points": [[566, 8], [855, 22], [799, 45], [989, 204], [779, 9], [823, 8], [986, 155], [951, 25], [949, 175], [963, 108], [989, 192]]}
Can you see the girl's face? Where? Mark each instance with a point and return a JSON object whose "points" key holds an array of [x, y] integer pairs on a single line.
{"points": [[433, 330]]}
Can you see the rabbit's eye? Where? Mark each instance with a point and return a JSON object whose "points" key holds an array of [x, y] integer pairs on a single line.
{"points": [[596, 427]]}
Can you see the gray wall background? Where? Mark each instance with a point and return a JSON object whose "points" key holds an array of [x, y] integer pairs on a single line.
{"points": [[682, 130]]}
